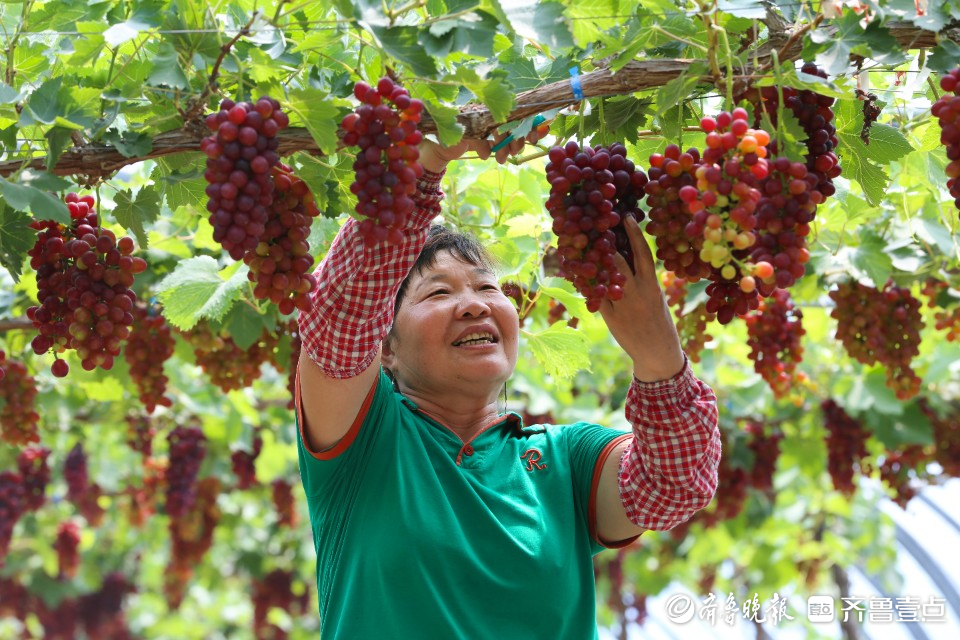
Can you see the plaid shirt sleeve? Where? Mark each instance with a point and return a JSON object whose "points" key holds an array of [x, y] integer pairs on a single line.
{"points": [[669, 471], [352, 306]]}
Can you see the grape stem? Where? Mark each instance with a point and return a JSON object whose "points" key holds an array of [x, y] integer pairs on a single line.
{"points": [[796, 35], [199, 105]]}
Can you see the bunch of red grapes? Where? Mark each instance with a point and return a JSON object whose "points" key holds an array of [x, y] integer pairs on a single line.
{"points": [[80, 491], [592, 191], [244, 464], [946, 437], [275, 590], [240, 155], [84, 275], [35, 472], [226, 364], [387, 165], [12, 506], [945, 319], [774, 336], [75, 473], [188, 446], [903, 470], [284, 503], [846, 446], [67, 544], [150, 345], [191, 536], [765, 445], [281, 261], [140, 432], [691, 323], [947, 111], [882, 326], [19, 420]]}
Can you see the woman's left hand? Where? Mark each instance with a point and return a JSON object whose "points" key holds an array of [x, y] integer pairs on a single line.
{"points": [[640, 322]]}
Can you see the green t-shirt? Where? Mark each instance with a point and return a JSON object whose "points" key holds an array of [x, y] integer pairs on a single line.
{"points": [[419, 535]]}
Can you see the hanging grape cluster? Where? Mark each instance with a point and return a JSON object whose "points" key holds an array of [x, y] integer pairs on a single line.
{"points": [[691, 323], [592, 191], [880, 325], [226, 364], [947, 112], [84, 280], [281, 261], [240, 154], [188, 447], [19, 420], [150, 345], [386, 168], [846, 446], [774, 336]]}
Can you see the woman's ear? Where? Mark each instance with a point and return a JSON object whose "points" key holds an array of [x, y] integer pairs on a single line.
{"points": [[387, 356]]}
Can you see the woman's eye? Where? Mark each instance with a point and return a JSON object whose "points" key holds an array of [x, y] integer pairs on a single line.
{"points": [[436, 293]]}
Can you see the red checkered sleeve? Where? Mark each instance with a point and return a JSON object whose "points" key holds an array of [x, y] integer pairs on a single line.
{"points": [[669, 470], [352, 306]]}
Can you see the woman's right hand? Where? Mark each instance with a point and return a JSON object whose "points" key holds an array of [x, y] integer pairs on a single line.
{"points": [[435, 157]]}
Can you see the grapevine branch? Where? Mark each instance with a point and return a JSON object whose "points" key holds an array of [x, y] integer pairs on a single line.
{"points": [[200, 103], [15, 324], [98, 159]]}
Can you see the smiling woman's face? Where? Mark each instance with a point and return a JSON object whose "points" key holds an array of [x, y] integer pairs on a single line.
{"points": [[454, 325]]}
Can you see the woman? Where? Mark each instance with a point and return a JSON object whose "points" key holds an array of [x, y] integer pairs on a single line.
{"points": [[435, 516]]}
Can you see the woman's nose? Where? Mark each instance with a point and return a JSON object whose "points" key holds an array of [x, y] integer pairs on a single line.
{"points": [[473, 305]]}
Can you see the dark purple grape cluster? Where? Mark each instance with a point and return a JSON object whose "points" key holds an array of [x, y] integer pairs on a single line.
{"points": [[280, 263], [387, 165], [75, 473], [84, 280], [244, 464], [240, 155], [592, 191], [947, 112], [846, 446], [188, 446], [12, 506]]}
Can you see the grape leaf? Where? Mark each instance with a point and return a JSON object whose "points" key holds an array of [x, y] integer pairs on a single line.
{"points": [[132, 214], [166, 68], [872, 258], [181, 188], [944, 56], [26, 197], [16, 238], [449, 131], [540, 22], [403, 44], [320, 116], [197, 290], [44, 103], [561, 350], [244, 324]]}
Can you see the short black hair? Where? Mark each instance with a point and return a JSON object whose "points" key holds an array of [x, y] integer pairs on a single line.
{"points": [[462, 246]]}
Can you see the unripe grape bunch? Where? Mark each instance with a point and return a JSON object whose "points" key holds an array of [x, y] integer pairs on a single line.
{"points": [[240, 154], [386, 168], [84, 280], [947, 112], [592, 191]]}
